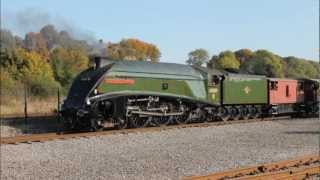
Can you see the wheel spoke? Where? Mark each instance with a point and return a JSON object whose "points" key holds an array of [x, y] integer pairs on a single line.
{"points": [[138, 122]]}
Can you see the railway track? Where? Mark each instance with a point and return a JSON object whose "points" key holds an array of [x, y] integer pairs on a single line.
{"points": [[306, 167], [70, 135]]}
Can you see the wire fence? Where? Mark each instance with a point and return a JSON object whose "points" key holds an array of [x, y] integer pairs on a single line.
{"points": [[22, 105]]}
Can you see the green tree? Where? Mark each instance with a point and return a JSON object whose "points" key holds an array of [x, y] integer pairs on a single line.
{"points": [[243, 54], [299, 68], [226, 60], [7, 83], [317, 66], [198, 57], [211, 64], [264, 62]]}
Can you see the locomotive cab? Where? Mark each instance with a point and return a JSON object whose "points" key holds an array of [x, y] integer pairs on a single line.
{"points": [[214, 88]]}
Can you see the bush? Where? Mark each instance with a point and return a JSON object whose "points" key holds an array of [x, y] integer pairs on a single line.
{"points": [[40, 86]]}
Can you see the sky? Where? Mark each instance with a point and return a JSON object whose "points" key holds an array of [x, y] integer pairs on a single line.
{"points": [[285, 27]]}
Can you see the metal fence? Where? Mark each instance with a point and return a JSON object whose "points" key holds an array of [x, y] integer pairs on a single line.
{"points": [[25, 106]]}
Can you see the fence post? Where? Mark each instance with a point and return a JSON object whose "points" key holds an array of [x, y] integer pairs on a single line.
{"points": [[58, 107], [25, 104]]}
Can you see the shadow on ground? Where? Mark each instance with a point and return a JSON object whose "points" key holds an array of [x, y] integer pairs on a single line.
{"points": [[33, 125], [302, 132]]}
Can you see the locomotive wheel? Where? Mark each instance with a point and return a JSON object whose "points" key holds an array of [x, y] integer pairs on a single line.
{"points": [[162, 121], [223, 113], [210, 115], [139, 122], [95, 126], [181, 119], [152, 121], [209, 118], [122, 123]]}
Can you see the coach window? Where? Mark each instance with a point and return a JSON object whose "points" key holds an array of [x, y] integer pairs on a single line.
{"points": [[287, 91], [274, 85]]}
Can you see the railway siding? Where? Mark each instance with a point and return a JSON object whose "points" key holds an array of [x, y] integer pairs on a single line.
{"points": [[297, 168]]}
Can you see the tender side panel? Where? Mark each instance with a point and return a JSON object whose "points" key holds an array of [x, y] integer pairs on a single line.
{"points": [[194, 89], [244, 90], [283, 91]]}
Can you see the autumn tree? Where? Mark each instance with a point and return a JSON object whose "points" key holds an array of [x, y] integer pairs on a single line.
{"points": [[198, 57], [37, 74], [36, 42], [67, 63], [7, 40], [51, 35], [133, 49]]}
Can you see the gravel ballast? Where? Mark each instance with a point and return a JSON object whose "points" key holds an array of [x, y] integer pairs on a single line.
{"points": [[169, 154]]}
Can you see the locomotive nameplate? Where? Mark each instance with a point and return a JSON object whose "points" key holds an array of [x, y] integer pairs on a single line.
{"points": [[120, 81]]}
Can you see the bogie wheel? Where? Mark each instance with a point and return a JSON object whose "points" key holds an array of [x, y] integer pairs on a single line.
{"points": [[253, 112], [235, 113], [244, 112], [223, 113]]}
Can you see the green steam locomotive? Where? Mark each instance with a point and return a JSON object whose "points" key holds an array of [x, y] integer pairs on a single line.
{"points": [[133, 94]]}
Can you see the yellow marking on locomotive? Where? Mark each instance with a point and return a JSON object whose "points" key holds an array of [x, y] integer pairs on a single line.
{"points": [[247, 89], [213, 92]]}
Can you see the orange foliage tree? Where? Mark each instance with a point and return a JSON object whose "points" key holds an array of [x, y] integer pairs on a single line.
{"points": [[133, 49]]}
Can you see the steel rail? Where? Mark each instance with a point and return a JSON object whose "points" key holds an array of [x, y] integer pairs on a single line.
{"points": [[298, 168], [68, 135]]}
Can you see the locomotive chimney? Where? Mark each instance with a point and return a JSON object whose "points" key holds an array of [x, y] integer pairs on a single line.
{"points": [[97, 61]]}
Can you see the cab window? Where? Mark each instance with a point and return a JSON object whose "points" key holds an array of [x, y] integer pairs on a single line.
{"points": [[215, 80]]}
